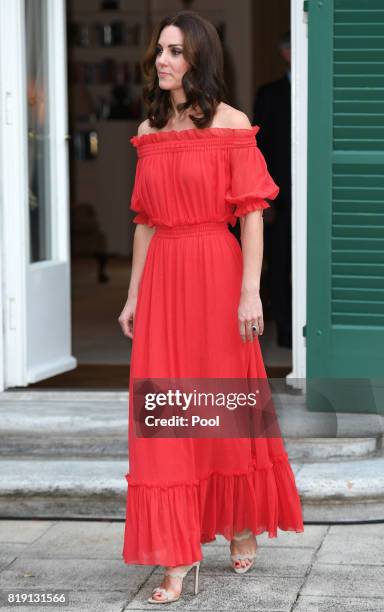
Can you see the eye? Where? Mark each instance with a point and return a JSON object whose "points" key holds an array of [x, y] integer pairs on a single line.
{"points": [[158, 50], [176, 51]]}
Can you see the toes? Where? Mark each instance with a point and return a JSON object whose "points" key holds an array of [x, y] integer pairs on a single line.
{"points": [[242, 563], [159, 596]]}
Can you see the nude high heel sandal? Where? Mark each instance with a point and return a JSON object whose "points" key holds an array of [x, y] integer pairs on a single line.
{"points": [[168, 595], [249, 555]]}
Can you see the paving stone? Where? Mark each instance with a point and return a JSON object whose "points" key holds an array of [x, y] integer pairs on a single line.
{"points": [[80, 540], [6, 559], [284, 562], [338, 604], [22, 531], [349, 544], [74, 574], [364, 581], [234, 593]]}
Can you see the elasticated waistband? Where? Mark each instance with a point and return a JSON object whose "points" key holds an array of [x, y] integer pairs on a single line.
{"points": [[192, 229]]}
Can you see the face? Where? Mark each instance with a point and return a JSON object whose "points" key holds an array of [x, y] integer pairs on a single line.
{"points": [[170, 62]]}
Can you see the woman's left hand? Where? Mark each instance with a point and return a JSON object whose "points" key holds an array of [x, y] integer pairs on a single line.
{"points": [[250, 312]]}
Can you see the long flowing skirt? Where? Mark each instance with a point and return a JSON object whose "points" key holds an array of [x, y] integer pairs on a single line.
{"points": [[184, 491]]}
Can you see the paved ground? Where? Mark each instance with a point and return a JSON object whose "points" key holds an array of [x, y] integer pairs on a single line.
{"points": [[327, 568]]}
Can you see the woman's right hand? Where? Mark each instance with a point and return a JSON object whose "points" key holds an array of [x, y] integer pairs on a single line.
{"points": [[127, 316]]}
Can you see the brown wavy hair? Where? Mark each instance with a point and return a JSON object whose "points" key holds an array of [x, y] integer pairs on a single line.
{"points": [[203, 82]]}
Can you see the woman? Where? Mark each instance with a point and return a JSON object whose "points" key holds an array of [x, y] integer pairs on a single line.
{"points": [[194, 311]]}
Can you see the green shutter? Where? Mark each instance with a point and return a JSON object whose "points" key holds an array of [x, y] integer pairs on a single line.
{"points": [[345, 296]]}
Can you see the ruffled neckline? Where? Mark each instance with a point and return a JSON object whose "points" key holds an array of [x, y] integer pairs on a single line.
{"points": [[193, 134]]}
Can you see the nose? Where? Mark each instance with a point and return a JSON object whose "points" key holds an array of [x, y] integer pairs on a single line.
{"points": [[162, 59]]}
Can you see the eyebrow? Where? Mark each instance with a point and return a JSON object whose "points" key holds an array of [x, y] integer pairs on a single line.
{"points": [[174, 45]]}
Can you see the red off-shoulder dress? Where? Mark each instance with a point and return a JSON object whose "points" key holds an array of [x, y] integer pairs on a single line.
{"points": [[183, 491]]}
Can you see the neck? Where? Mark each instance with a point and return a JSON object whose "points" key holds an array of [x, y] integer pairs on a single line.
{"points": [[177, 97]]}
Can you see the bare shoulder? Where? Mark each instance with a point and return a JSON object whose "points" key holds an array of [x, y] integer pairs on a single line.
{"points": [[230, 117], [144, 128]]}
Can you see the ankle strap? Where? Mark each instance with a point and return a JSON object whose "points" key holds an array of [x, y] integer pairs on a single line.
{"points": [[181, 574], [243, 536], [176, 574]]}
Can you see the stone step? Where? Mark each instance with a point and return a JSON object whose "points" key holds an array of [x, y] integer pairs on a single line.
{"points": [[53, 445], [95, 424], [110, 446], [343, 491], [333, 449], [62, 488], [71, 424]]}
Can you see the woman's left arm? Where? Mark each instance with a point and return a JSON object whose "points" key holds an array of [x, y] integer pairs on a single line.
{"points": [[251, 186], [250, 307]]}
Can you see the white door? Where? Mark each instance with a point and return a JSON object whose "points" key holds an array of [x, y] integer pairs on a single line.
{"points": [[36, 305]]}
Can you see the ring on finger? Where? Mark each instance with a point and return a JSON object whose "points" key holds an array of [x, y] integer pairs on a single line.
{"points": [[255, 329]]}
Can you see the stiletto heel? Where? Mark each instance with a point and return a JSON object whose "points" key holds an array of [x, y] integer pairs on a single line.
{"points": [[197, 569], [250, 556], [168, 596]]}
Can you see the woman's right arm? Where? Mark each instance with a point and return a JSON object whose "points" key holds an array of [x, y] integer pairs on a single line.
{"points": [[142, 237]]}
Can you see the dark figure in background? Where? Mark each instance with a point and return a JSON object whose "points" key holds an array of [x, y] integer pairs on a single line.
{"points": [[272, 112]]}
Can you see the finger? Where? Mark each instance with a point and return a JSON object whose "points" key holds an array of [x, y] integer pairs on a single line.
{"points": [[261, 326], [242, 330], [126, 328], [251, 334], [249, 331], [130, 327], [256, 331]]}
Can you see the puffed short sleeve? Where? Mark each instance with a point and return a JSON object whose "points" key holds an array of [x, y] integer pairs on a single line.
{"points": [[250, 182], [136, 199]]}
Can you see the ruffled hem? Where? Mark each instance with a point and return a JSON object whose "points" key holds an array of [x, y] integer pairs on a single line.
{"points": [[244, 209], [194, 134], [248, 203], [142, 217], [167, 523]]}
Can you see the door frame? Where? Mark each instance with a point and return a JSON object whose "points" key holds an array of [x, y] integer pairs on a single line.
{"points": [[14, 212], [13, 193], [299, 139]]}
